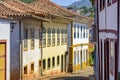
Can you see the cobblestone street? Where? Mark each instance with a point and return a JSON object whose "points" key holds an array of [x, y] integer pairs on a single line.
{"points": [[85, 74]]}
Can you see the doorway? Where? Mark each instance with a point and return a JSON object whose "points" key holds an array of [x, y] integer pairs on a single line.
{"points": [[2, 61]]}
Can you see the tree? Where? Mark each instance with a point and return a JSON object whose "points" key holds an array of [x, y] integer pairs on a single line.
{"points": [[27, 1]]}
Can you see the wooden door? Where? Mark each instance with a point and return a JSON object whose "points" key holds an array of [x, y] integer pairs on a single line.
{"points": [[2, 61]]}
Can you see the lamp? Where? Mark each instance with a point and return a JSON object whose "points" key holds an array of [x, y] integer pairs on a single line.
{"points": [[12, 25]]}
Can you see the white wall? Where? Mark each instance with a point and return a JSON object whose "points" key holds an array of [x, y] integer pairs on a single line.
{"points": [[15, 52], [5, 35]]}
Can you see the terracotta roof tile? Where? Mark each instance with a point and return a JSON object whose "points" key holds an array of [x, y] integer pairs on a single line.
{"points": [[6, 10], [25, 7], [53, 8]]}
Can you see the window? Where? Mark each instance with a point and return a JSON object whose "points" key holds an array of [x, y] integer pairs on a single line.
{"points": [[40, 37], [113, 1], [58, 37], [78, 31], [53, 37], [84, 32], [53, 62], [81, 32], [25, 38], [58, 60], [25, 70], [44, 37], [108, 2], [74, 30], [40, 63], [49, 37], [65, 36], [78, 59], [62, 36], [74, 57], [49, 63], [32, 67], [44, 64], [102, 4], [32, 34]]}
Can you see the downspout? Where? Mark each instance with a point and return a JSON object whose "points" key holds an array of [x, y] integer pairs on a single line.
{"points": [[98, 40], [21, 51], [41, 48], [118, 25]]}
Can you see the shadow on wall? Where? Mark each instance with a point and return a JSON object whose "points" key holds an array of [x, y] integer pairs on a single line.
{"points": [[70, 78]]}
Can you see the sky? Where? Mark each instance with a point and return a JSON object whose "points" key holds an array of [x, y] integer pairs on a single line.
{"points": [[64, 2]]}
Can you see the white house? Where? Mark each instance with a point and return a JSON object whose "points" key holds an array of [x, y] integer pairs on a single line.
{"points": [[107, 65]]}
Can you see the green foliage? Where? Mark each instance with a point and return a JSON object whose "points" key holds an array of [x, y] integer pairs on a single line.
{"points": [[27, 1]]}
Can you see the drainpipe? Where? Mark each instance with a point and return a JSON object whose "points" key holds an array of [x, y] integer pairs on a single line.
{"points": [[41, 72], [21, 51]]}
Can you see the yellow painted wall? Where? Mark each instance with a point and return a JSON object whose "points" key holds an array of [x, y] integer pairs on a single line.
{"points": [[54, 51]]}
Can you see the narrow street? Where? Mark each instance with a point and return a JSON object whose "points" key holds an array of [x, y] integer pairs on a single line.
{"points": [[85, 74]]}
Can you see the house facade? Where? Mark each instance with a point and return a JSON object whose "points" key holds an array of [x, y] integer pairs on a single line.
{"points": [[36, 43], [78, 48], [107, 23], [9, 42]]}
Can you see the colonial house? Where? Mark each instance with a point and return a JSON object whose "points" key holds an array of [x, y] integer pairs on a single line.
{"points": [[34, 40], [9, 42], [15, 27], [107, 23], [81, 40], [79, 45]]}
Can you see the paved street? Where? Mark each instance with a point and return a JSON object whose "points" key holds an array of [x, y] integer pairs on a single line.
{"points": [[79, 75]]}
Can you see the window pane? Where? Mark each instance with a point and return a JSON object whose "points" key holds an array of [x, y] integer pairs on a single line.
{"points": [[49, 37], [58, 37], [53, 37], [32, 38], [44, 37], [25, 37], [74, 30]]}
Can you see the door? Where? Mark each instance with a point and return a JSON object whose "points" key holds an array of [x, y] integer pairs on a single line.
{"points": [[62, 63], [2, 61], [81, 59]]}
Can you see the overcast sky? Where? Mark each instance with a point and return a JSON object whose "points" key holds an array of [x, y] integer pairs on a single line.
{"points": [[64, 2]]}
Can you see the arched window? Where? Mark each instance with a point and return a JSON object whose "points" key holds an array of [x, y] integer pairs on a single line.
{"points": [[48, 63], [49, 37], [44, 64], [44, 37], [53, 62], [58, 60], [58, 37], [53, 37]]}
